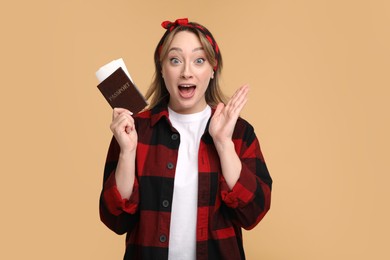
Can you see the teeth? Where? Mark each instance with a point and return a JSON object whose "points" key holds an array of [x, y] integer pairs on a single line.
{"points": [[186, 86]]}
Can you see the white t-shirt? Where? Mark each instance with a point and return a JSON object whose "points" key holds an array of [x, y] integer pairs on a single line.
{"points": [[182, 237]]}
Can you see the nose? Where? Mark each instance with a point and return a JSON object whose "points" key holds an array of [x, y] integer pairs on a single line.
{"points": [[186, 71]]}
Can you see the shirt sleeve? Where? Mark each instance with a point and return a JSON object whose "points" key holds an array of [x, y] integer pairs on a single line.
{"points": [[115, 212], [250, 198]]}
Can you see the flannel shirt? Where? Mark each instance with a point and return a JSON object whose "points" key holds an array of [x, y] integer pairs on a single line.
{"points": [[145, 216]]}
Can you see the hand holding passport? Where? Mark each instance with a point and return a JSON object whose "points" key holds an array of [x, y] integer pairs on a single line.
{"points": [[118, 88]]}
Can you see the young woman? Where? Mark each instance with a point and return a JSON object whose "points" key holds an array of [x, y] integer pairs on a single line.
{"points": [[183, 177]]}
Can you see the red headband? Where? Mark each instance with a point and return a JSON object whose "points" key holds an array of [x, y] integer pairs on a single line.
{"points": [[184, 23]]}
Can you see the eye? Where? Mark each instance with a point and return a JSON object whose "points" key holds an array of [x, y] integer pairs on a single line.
{"points": [[174, 61], [200, 61]]}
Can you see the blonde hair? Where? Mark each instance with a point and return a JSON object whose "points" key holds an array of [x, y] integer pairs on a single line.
{"points": [[158, 91]]}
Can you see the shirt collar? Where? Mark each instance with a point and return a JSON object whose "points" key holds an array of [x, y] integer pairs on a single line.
{"points": [[158, 112]]}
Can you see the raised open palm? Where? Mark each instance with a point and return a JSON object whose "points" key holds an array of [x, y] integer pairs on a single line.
{"points": [[225, 117]]}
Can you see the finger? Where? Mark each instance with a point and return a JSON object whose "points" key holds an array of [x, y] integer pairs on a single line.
{"points": [[129, 128], [123, 127], [239, 106], [242, 91], [242, 95], [239, 92], [241, 101], [127, 123], [122, 123], [239, 98], [118, 110], [119, 121], [219, 109], [121, 116]]}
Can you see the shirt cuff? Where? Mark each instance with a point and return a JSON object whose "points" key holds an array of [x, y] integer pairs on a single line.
{"points": [[242, 192], [113, 200]]}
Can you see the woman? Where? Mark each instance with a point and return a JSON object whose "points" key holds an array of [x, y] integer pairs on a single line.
{"points": [[183, 177]]}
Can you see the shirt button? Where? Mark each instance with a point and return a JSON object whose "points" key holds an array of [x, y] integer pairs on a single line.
{"points": [[163, 238], [170, 165], [174, 137], [165, 203]]}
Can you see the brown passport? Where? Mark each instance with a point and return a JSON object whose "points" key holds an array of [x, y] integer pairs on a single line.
{"points": [[120, 91]]}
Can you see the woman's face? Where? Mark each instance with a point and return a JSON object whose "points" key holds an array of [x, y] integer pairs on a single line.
{"points": [[186, 73]]}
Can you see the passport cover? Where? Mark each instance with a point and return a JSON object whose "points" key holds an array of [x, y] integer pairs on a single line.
{"points": [[120, 91]]}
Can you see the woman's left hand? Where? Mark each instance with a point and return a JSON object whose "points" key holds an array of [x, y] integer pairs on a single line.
{"points": [[225, 117]]}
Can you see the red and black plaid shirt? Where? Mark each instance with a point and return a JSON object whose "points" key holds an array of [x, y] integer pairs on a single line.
{"points": [[145, 217]]}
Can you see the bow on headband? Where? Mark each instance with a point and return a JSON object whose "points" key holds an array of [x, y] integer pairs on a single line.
{"points": [[169, 26]]}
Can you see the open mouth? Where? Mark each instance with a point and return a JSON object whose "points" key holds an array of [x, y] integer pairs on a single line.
{"points": [[187, 91]]}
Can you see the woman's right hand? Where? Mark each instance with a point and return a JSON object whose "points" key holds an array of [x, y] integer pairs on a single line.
{"points": [[122, 126]]}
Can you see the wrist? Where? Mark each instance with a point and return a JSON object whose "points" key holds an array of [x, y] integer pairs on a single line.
{"points": [[127, 154], [222, 145]]}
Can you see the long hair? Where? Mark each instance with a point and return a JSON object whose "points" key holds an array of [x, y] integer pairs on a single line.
{"points": [[158, 92]]}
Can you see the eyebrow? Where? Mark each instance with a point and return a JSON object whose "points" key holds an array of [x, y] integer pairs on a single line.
{"points": [[180, 50]]}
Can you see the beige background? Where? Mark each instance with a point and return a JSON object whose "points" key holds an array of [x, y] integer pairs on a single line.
{"points": [[319, 101]]}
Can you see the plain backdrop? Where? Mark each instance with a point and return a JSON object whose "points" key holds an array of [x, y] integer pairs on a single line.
{"points": [[319, 102]]}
